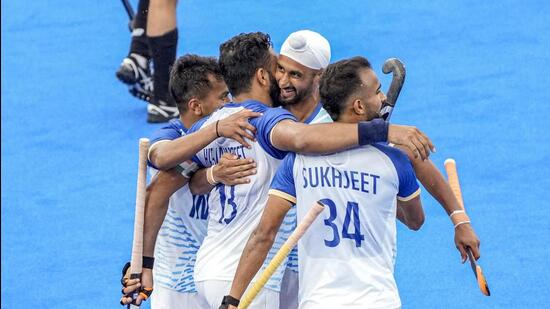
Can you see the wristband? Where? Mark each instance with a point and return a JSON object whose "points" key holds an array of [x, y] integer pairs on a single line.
{"points": [[230, 300], [458, 216], [374, 131], [460, 223], [210, 176], [457, 212], [148, 262], [217, 134]]}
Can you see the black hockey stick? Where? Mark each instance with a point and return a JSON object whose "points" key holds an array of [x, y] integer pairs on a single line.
{"points": [[130, 12], [396, 67]]}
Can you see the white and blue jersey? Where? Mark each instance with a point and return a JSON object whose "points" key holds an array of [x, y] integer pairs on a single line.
{"points": [[183, 229], [347, 255], [319, 115], [235, 211]]}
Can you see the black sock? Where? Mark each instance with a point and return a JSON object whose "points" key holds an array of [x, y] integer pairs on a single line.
{"points": [[163, 53], [139, 43]]}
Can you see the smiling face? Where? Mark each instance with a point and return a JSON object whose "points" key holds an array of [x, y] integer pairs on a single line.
{"points": [[369, 94], [295, 80]]}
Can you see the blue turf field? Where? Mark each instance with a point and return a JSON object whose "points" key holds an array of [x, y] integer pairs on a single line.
{"points": [[477, 84]]}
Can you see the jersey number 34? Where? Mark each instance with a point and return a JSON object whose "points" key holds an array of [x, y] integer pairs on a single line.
{"points": [[352, 214]]}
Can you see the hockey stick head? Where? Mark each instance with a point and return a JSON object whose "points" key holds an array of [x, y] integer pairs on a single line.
{"points": [[481, 281], [397, 68]]}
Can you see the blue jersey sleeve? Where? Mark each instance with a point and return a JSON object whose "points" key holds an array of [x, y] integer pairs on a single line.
{"points": [[171, 131], [265, 123], [408, 185], [174, 129], [283, 182]]}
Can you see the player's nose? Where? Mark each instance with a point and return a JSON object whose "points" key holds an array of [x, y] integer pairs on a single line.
{"points": [[283, 80]]}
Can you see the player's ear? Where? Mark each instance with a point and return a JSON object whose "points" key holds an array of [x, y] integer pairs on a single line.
{"points": [[358, 107], [195, 107], [262, 76]]}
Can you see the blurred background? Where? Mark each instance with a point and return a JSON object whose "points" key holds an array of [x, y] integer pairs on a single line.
{"points": [[476, 84]]}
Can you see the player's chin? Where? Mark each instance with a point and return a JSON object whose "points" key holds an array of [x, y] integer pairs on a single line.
{"points": [[287, 101]]}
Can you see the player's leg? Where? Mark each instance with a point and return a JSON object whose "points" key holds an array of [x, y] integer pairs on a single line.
{"points": [[134, 69], [165, 298], [288, 297], [213, 291], [163, 40]]}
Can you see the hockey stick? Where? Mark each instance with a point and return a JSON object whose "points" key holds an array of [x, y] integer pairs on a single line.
{"points": [[130, 12], [137, 245], [396, 67], [452, 175]]}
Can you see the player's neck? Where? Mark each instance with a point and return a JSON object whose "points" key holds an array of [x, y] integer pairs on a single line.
{"points": [[188, 119], [253, 95], [349, 118], [303, 109]]}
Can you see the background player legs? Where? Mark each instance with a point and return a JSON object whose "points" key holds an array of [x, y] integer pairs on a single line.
{"points": [[134, 70], [163, 40]]}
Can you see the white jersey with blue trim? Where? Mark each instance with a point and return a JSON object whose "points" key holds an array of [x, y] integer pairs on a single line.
{"points": [[235, 211], [347, 255], [183, 229], [319, 115]]}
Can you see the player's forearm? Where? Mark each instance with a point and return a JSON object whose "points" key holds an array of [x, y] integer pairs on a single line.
{"points": [[432, 179], [169, 154], [198, 184], [163, 185], [251, 261], [326, 139]]}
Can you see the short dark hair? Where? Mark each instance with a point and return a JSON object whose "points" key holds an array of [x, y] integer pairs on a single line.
{"points": [[241, 56], [189, 78], [339, 81]]}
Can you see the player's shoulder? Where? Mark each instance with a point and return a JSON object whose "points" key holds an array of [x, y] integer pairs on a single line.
{"points": [[172, 130], [319, 115], [176, 125], [396, 155], [255, 106]]}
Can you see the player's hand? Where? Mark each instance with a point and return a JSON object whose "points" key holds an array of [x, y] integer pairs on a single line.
{"points": [[233, 171], [412, 138], [147, 280], [129, 286], [465, 237], [237, 127]]}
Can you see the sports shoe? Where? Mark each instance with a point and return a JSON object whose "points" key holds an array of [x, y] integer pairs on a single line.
{"points": [[159, 111], [135, 72]]}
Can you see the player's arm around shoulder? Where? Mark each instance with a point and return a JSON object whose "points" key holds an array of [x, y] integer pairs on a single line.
{"points": [[170, 153], [289, 135], [322, 138]]}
